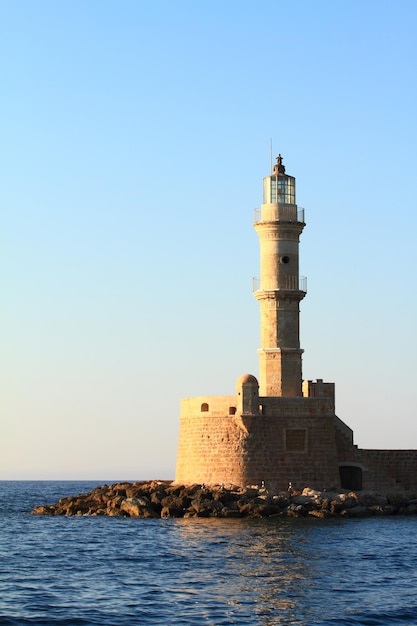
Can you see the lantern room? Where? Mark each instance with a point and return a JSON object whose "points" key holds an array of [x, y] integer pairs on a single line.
{"points": [[278, 187]]}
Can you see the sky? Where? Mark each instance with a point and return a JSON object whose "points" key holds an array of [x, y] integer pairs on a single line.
{"points": [[134, 138]]}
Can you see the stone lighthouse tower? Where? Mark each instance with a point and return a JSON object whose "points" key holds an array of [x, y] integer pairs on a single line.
{"points": [[279, 292], [281, 429]]}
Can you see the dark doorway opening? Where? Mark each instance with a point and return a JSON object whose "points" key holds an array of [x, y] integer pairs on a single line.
{"points": [[350, 477]]}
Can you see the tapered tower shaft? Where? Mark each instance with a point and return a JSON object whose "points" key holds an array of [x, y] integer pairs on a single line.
{"points": [[279, 292]]}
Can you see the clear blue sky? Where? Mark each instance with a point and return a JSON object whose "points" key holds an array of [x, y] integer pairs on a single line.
{"points": [[134, 138]]}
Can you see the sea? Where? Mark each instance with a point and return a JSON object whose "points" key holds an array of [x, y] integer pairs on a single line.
{"points": [[111, 571]]}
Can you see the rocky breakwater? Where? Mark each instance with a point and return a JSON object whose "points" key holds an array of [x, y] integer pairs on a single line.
{"points": [[162, 499]]}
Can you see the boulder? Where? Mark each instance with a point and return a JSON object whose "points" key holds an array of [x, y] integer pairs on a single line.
{"points": [[281, 501], [371, 499], [138, 507], [171, 511], [308, 502], [355, 511], [44, 509], [205, 507], [176, 501], [321, 513], [311, 492], [386, 509], [295, 510]]}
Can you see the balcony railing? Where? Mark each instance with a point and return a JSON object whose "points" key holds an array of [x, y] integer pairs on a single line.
{"points": [[276, 212], [289, 283]]}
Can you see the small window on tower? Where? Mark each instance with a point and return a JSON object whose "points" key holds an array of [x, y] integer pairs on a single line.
{"points": [[285, 259], [204, 407]]}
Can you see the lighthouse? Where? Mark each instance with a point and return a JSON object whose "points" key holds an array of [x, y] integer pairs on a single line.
{"points": [[276, 428], [279, 224]]}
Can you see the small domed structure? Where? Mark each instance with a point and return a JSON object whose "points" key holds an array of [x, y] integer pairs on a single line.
{"points": [[247, 390], [246, 378]]}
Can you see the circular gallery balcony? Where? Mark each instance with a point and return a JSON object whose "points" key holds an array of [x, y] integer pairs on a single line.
{"points": [[285, 283], [279, 213]]}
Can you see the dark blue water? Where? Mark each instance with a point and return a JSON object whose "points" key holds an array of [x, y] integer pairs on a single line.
{"points": [[122, 572]]}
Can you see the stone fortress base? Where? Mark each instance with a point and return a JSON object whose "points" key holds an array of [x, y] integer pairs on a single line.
{"points": [[247, 439], [282, 430]]}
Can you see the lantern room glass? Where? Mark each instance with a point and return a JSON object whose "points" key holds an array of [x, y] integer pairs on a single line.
{"points": [[279, 189]]}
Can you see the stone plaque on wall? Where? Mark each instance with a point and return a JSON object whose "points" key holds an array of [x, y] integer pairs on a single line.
{"points": [[295, 440]]}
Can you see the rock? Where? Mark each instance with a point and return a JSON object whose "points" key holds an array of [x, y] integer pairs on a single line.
{"points": [[113, 512], [138, 507], [205, 507], [245, 507], [321, 513], [158, 494], [177, 502], [175, 489], [308, 502], [339, 502], [250, 492], [371, 499], [44, 509], [115, 503], [97, 512], [355, 511], [230, 513], [383, 510], [311, 492], [295, 510], [171, 511], [281, 501], [225, 497]]}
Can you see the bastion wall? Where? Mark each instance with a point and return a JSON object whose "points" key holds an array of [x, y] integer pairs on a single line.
{"points": [[382, 470], [247, 439]]}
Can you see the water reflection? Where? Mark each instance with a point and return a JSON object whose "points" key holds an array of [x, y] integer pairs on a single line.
{"points": [[256, 567]]}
